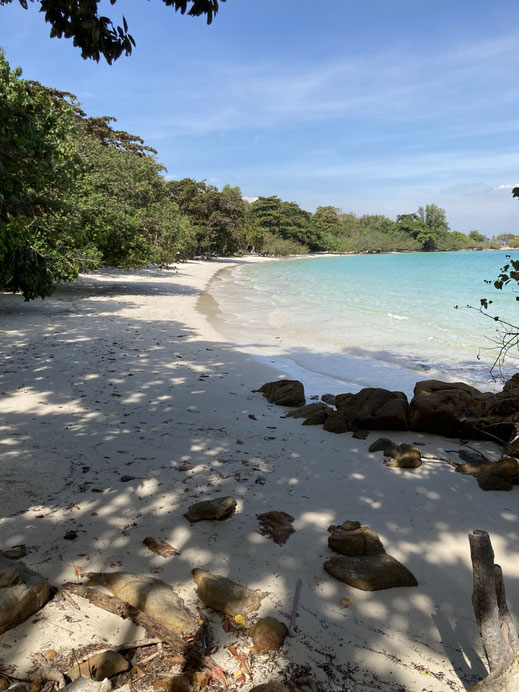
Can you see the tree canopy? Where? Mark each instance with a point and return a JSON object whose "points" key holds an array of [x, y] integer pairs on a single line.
{"points": [[98, 36]]}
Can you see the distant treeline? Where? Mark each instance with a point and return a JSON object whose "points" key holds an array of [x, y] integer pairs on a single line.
{"points": [[75, 194]]}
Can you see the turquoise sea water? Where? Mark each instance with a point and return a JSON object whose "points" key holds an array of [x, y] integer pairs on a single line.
{"points": [[368, 320]]}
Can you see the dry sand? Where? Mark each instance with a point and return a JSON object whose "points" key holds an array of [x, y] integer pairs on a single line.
{"points": [[104, 380]]}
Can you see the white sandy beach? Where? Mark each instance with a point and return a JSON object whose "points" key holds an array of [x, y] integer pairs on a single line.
{"points": [[103, 379]]}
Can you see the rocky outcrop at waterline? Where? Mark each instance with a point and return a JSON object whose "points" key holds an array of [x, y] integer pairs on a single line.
{"points": [[451, 409]]}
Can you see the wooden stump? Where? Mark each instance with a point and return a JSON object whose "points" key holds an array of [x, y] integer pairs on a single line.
{"points": [[495, 624]]}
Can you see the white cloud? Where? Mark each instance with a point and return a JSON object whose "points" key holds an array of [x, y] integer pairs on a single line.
{"points": [[460, 84]]}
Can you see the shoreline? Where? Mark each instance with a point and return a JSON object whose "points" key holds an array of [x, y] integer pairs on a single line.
{"points": [[122, 376], [321, 363]]}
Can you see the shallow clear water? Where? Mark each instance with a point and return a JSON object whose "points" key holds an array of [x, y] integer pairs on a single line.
{"points": [[368, 320]]}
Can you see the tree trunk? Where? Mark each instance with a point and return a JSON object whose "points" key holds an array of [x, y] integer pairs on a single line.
{"points": [[495, 624], [484, 599]]}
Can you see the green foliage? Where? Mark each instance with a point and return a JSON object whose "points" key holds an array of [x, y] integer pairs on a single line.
{"points": [[507, 238], [38, 166], [121, 201], [220, 219], [477, 238], [428, 226], [284, 219], [276, 245], [454, 241], [36, 157], [97, 35]]}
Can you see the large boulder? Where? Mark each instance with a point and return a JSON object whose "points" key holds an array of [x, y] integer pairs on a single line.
{"points": [[456, 409], [22, 593], [373, 409], [506, 402], [336, 422], [284, 392], [493, 475], [443, 408], [314, 414]]}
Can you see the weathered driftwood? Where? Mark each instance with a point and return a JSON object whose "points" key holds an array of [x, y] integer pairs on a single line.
{"points": [[496, 628], [118, 607]]}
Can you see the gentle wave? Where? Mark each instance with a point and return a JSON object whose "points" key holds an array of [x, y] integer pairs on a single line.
{"points": [[383, 320]]}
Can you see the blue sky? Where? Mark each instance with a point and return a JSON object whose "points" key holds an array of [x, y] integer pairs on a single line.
{"points": [[374, 107]]}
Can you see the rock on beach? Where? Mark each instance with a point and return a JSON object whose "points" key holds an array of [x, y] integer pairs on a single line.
{"points": [[225, 595]]}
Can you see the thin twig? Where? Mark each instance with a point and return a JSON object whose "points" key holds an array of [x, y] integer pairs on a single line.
{"points": [[431, 457], [295, 606]]}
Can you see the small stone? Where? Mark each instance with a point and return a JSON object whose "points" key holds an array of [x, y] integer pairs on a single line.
{"points": [[4, 683], [36, 685], [268, 634], [353, 539], [383, 444], [276, 525], [271, 686], [224, 595], [50, 654], [370, 572], [404, 457], [360, 434], [163, 549], [219, 508], [15, 553], [70, 535], [100, 666], [284, 392], [177, 683]]}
